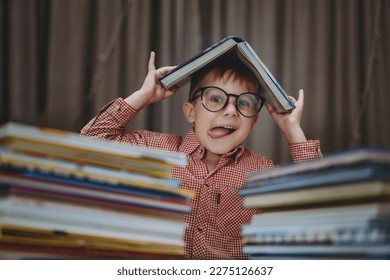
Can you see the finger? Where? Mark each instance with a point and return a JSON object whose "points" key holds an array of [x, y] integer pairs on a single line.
{"points": [[166, 93], [301, 97], [170, 92], [270, 109], [151, 65], [292, 99], [165, 69]]}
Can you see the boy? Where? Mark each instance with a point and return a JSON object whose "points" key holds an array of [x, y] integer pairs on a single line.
{"points": [[223, 107]]}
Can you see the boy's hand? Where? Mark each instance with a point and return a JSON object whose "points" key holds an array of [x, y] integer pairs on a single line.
{"points": [[151, 90], [289, 123]]}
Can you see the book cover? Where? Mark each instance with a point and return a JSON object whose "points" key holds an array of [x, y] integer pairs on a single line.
{"points": [[351, 230], [333, 160], [26, 165], [330, 176], [367, 251], [354, 192], [22, 185], [16, 208], [70, 146], [27, 251], [41, 238], [75, 212], [273, 91], [363, 211], [319, 237]]}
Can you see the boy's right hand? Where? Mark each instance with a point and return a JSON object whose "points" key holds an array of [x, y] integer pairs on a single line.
{"points": [[151, 90]]}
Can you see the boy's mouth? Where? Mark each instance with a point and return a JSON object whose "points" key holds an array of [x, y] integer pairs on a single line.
{"points": [[221, 131]]}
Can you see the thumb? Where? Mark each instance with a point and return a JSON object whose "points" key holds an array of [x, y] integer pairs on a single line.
{"points": [[151, 66]]}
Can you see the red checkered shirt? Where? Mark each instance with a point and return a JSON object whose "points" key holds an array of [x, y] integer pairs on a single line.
{"points": [[214, 226]]}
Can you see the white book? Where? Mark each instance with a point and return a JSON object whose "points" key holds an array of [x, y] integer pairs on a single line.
{"points": [[273, 91], [333, 160], [320, 249], [94, 218], [323, 226], [367, 211], [88, 231], [57, 217], [69, 145]]}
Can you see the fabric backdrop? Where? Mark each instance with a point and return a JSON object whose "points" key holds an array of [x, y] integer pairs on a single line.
{"points": [[61, 61]]}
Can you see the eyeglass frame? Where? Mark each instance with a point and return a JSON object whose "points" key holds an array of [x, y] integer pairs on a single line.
{"points": [[202, 89]]}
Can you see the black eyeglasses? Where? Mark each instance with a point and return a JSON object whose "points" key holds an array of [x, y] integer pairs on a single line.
{"points": [[215, 99]]}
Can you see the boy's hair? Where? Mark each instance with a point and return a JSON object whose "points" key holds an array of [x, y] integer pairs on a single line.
{"points": [[230, 64]]}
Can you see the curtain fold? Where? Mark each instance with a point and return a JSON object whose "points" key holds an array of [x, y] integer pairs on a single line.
{"points": [[61, 61]]}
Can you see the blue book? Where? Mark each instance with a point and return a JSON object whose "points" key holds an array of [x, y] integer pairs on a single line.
{"points": [[327, 177], [91, 185], [332, 160]]}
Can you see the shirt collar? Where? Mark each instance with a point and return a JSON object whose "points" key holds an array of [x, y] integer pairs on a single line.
{"points": [[191, 145]]}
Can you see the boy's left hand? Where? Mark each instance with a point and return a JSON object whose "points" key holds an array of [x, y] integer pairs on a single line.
{"points": [[151, 90], [289, 123]]}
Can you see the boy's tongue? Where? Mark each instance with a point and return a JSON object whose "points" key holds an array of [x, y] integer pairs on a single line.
{"points": [[218, 132]]}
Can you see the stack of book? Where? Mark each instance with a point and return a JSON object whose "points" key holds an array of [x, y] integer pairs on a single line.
{"points": [[67, 196], [334, 208]]}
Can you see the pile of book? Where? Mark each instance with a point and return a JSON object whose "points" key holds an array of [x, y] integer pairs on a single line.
{"points": [[67, 196], [334, 208]]}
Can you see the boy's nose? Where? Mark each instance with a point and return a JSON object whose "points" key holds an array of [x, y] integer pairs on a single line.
{"points": [[231, 109]]}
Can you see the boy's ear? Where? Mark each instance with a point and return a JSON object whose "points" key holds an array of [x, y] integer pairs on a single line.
{"points": [[255, 119], [189, 112]]}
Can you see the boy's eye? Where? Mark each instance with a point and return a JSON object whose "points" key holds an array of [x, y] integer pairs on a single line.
{"points": [[216, 98], [243, 103], [247, 101]]}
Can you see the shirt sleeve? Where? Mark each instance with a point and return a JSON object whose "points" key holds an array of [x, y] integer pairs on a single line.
{"points": [[305, 151], [110, 123]]}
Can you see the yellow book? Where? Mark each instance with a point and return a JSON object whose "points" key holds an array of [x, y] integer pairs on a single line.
{"points": [[36, 236], [57, 144]]}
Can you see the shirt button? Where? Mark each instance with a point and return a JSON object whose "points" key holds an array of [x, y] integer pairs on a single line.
{"points": [[205, 186], [200, 228]]}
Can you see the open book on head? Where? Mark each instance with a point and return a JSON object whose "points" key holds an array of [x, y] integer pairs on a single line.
{"points": [[272, 91]]}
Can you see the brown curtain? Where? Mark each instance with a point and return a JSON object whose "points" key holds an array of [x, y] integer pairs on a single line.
{"points": [[60, 61]]}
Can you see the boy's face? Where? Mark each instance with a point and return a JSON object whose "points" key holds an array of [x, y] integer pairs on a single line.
{"points": [[220, 132]]}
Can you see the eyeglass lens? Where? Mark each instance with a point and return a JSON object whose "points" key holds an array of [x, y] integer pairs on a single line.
{"points": [[215, 99]]}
